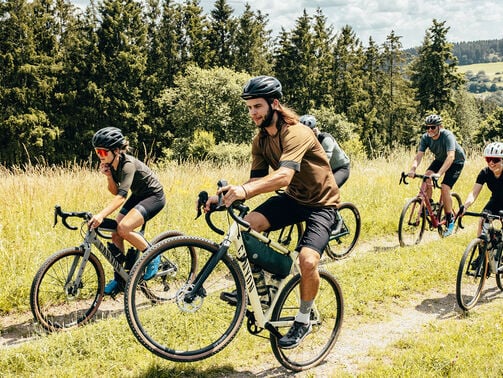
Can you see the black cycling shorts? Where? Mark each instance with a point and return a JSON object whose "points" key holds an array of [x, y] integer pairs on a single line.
{"points": [[452, 174], [282, 210], [148, 207]]}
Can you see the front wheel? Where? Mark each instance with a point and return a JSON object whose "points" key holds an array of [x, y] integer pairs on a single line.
{"points": [[180, 328], [345, 235], [471, 274], [499, 268], [326, 319], [60, 298], [412, 222]]}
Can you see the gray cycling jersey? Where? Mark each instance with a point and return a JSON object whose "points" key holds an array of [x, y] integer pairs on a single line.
{"points": [[439, 147], [335, 154], [132, 174]]}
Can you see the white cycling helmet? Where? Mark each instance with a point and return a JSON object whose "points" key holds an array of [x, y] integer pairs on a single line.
{"points": [[494, 149], [308, 120]]}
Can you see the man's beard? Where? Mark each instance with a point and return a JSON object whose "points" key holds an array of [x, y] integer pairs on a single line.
{"points": [[268, 119]]}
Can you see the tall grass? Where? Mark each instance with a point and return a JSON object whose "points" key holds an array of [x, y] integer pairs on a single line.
{"points": [[28, 197], [379, 279]]}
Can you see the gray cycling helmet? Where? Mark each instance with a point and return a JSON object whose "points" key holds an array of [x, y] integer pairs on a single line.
{"points": [[433, 120], [109, 137], [262, 86], [308, 120], [494, 149]]}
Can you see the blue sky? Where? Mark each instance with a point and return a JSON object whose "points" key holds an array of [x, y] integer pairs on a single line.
{"points": [[469, 20]]}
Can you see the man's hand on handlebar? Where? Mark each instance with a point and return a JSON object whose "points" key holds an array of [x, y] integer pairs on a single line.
{"points": [[232, 193]]}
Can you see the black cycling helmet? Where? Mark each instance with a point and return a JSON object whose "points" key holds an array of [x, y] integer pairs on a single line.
{"points": [[262, 86], [433, 120], [109, 137]]}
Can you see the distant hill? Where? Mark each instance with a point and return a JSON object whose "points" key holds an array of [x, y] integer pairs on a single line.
{"points": [[490, 51], [474, 52], [483, 77]]}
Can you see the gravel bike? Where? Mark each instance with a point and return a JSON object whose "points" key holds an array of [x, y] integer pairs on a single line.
{"points": [[342, 240], [68, 288], [197, 323], [481, 259], [422, 210]]}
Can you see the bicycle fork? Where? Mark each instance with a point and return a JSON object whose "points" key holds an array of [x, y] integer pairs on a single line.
{"points": [[196, 288], [73, 285]]}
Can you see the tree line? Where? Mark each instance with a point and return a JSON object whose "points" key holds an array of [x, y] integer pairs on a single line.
{"points": [[488, 51], [170, 77]]}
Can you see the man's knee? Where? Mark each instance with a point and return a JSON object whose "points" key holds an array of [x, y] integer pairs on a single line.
{"points": [[309, 259], [258, 222]]}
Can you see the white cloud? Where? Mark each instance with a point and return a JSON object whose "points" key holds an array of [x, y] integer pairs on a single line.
{"points": [[469, 20]]}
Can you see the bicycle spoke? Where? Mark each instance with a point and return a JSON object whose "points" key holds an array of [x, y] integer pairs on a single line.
{"points": [[412, 223], [471, 275], [57, 301], [326, 318], [182, 330], [346, 233]]}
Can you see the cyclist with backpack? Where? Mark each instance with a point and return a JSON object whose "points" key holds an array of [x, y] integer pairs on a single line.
{"points": [[339, 161], [125, 173]]}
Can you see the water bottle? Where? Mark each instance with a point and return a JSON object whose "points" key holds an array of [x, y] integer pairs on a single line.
{"points": [[263, 256], [116, 252], [259, 278]]}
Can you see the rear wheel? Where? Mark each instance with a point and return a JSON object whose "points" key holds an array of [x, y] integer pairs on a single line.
{"points": [[347, 230], [326, 319], [288, 236], [165, 235], [456, 205], [176, 268], [499, 266], [412, 222], [180, 329], [471, 274], [57, 300]]}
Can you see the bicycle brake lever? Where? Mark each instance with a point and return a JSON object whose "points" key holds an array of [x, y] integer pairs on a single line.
{"points": [[221, 183], [201, 201], [57, 210], [403, 178]]}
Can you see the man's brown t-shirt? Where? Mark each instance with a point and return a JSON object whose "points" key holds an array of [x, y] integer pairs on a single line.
{"points": [[297, 147]]}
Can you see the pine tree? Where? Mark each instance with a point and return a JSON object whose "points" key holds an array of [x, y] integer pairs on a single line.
{"points": [[194, 47], [251, 53], [122, 64], [29, 73], [434, 72], [321, 92], [221, 34], [295, 64], [347, 74]]}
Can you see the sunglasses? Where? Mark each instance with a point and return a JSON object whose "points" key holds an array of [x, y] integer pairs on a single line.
{"points": [[495, 160], [430, 127], [102, 152]]}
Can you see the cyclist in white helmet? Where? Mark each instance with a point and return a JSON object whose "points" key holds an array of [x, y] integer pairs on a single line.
{"points": [[490, 175]]}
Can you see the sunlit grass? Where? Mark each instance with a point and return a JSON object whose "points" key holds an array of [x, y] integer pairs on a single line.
{"points": [[376, 281]]}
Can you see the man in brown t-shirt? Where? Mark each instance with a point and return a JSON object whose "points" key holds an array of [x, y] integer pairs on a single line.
{"points": [[299, 163]]}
